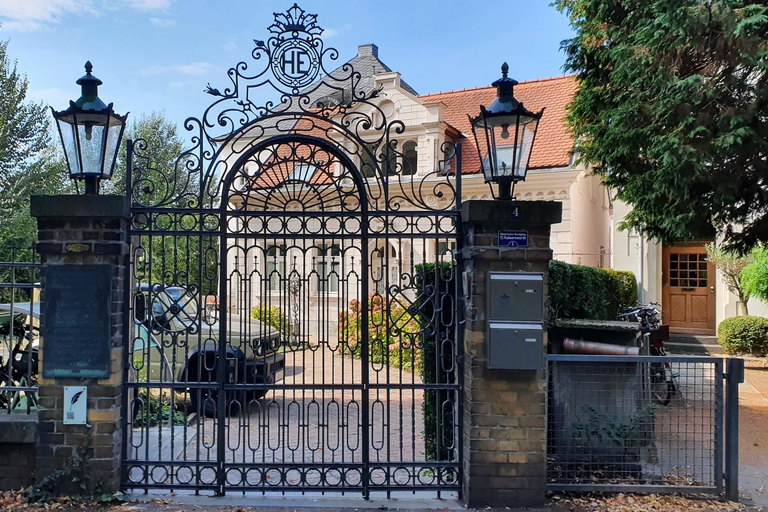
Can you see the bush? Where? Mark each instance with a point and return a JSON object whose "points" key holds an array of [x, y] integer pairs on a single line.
{"points": [[272, 316], [392, 337], [578, 291], [437, 284], [744, 335]]}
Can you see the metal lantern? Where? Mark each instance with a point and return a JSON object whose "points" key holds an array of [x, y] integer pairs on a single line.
{"points": [[504, 135], [90, 133]]}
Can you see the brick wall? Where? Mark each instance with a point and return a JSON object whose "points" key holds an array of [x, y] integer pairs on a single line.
{"points": [[84, 230], [504, 417], [18, 433]]}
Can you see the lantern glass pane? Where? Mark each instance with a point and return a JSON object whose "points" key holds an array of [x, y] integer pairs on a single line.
{"points": [[113, 141], [69, 141], [92, 148]]}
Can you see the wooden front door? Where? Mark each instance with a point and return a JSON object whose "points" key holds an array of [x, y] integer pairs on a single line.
{"points": [[688, 289]]}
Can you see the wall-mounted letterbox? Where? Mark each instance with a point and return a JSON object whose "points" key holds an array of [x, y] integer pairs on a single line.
{"points": [[516, 297], [515, 321], [515, 346]]}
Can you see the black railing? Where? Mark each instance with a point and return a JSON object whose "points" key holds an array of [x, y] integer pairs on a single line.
{"points": [[642, 424], [19, 329]]}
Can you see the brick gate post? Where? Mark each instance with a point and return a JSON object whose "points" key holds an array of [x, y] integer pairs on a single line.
{"points": [[504, 418], [85, 231]]}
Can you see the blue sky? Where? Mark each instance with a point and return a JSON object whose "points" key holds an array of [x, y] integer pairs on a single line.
{"points": [[160, 54]]}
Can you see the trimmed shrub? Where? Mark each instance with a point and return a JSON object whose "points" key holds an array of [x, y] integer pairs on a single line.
{"points": [[744, 335], [578, 291], [437, 283], [274, 317]]}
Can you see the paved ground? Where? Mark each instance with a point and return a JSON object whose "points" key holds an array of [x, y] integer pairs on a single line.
{"points": [[314, 417], [753, 434]]}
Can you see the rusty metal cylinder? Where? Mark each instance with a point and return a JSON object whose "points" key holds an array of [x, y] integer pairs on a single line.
{"points": [[572, 346]]}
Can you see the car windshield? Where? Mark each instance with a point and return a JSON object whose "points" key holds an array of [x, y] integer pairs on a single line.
{"points": [[178, 301]]}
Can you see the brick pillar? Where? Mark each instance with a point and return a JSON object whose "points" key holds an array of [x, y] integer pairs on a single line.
{"points": [[84, 230], [504, 417]]}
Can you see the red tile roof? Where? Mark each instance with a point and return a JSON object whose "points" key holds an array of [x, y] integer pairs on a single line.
{"points": [[553, 144]]}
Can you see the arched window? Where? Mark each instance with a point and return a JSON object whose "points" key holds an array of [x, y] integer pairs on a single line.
{"points": [[367, 160], [275, 268], [410, 158]]}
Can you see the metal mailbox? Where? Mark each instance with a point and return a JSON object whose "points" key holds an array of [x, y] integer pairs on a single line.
{"points": [[516, 297], [516, 346], [515, 321]]}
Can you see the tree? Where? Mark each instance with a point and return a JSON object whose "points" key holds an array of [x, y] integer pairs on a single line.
{"points": [[731, 264], [754, 277], [29, 164], [671, 111], [182, 256]]}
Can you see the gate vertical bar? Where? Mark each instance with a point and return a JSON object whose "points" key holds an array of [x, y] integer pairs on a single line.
{"points": [[733, 377], [128, 309], [364, 353], [221, 368], [718, 458], [458, 434]]}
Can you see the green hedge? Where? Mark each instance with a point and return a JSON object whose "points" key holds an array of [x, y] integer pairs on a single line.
{"points": [[577, 291], [744, 335], [437, 284]]}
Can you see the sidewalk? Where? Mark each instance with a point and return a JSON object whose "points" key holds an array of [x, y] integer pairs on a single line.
{"points": [[753, 434]]}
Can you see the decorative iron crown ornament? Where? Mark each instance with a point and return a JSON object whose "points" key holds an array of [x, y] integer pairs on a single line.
{"points": [[295, 51]]}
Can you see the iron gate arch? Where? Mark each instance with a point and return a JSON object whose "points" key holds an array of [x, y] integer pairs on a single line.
{"points": [[294, 295]]}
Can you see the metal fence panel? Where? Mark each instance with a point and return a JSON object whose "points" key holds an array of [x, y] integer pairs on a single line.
{"points": [[643, 423], [19, 329]]}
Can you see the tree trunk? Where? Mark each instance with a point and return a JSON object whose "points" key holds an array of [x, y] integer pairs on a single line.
{"points": [[743, 299]]}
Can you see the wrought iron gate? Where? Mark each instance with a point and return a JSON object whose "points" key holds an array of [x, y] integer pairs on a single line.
{"points": [[294, 293]]}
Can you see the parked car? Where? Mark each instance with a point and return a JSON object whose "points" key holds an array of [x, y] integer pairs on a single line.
{"points": [[172, 315]]}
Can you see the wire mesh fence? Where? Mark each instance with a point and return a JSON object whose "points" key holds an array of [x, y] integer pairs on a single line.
{"points": [[635, 423], [19, 329]]}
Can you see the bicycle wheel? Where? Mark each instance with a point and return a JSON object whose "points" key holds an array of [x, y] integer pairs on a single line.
{"points": [[662, 386]]}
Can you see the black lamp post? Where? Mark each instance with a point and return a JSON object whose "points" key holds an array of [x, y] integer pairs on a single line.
{"points": [[90, 133], [504, 135]]}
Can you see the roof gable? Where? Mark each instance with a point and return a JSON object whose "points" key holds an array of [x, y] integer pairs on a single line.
{"points": [[554, 143]]}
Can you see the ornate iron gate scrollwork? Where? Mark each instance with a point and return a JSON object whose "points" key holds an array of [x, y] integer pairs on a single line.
{"points": [[296, 293]]}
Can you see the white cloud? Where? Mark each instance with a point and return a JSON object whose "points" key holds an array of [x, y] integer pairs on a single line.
{"points": [[191, 69], [333, 32], [162, 22], [196, 68], [29, 15], [55, 97], [230, 47], [178, 85], [148, 5]]}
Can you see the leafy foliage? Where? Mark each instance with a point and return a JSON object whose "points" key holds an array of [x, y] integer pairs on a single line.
{"points": [[731, 264], [578, 291], [603, 429], [392, 333], [272, 316], [437, 280], [671, 111], [754, 277], [157, 410], [29, 163], [744, 335]]}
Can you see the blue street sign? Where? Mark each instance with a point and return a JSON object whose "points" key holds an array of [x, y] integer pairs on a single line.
{"points": [[513, 239]]}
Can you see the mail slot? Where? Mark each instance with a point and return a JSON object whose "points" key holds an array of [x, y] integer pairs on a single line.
{"points": [[515, 346], [516, 297]]}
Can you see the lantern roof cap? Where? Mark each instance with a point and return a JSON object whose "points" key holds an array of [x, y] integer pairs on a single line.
{"points": [[89, 100]]}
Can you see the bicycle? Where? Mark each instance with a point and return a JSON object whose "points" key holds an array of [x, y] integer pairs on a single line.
{"points": [[21, 368], [662, 379]]}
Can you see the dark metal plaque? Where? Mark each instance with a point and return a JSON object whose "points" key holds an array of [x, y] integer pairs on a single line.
{"points": [[77, 307]]}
